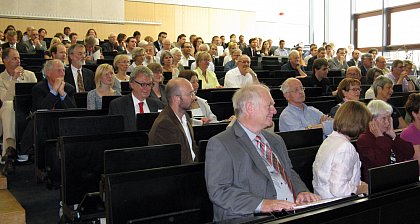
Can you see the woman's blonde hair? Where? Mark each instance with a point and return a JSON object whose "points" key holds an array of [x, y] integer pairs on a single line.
{"points": [[102, 70]]}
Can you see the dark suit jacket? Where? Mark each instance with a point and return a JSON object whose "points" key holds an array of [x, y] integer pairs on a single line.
{"points": [[351, 62], [125, 106], [20, 47], [42, 98], [236, 176], [248, 51], [108, 47], [156, 43], [88, 78], [363, 70], [168, 130]]}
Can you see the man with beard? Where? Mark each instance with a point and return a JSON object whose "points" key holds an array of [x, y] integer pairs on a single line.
{"points": [[75, 75], [173, 125]]}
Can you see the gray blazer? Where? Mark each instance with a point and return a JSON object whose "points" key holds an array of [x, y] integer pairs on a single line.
{"points": [[334, 64], [236, 176]]}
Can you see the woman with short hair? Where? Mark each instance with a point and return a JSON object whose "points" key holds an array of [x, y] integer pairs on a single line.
{"points": [[348, 89]]}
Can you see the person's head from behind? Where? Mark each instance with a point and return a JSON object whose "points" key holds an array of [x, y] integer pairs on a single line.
{"points": [[293, 91], [349, 89], [190, 76], [372, 74], [354, 72], [381, 114], [104, 75], [412, 106], [180, 94], [141, 82], [254, 107], [352, 118], [54, 69], [383, 88]]}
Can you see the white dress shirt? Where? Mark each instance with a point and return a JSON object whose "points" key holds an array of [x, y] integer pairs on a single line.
{"points": [[137, 106], [234, 79], [336, 168]]}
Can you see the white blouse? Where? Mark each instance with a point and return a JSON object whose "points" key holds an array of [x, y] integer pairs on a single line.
{"points": [[336, 168]]}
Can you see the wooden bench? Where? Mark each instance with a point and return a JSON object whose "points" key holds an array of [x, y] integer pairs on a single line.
{"points": [[10, 209]]}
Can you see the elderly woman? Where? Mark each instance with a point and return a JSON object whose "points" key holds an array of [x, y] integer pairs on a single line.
{"points": [[138, 58], [348, 89], [104, 80], [412, 132], [371, 75], [208, 78], [158, 89], [177, 55], [200, 109], [121, 63], [383, 89], [231, 46], [336, 169], [379, 145], [166, 60]]}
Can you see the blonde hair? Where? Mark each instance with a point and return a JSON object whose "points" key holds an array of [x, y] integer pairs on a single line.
{"points": [[101, 71]]}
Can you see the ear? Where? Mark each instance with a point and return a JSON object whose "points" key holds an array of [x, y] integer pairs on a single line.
{"points": [[131, 85], [249, 107]]}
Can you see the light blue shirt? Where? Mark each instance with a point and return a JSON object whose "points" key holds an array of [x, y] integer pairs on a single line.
{"points": [[282, 189], [293, 118], [55, 93]]}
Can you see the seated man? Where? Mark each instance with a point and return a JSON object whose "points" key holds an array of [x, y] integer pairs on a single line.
{"points": [[319, 76], [381, 64], [400, 77], [233, 62], [75, 74], [173, 125], [339, 61], [242, 75], [247, 168], [34, 44], [354, 61], [366, 64], [294, 64], [11, 37], [112, 44], [321, 53], [12, 74], [49, 94], [297, 115], [138, 101]]}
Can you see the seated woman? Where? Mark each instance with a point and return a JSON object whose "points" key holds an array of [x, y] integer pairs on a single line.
{"points": [[121, 63], [104, 80], [371, 75], [200, 109], [228, 52], [336, 169], [177, 55], [265, 49], [158, 89], [383, 88], [412, 132], [348, 89], [208, 78], [379, 145], [138, 56], [166, 60]]}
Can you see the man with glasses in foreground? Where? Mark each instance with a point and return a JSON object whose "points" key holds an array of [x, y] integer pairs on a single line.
{"points": [[242, 75], [297, 115], [138, 101], [173, 125]]}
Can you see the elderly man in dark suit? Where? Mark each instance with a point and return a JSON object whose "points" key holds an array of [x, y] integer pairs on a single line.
{"points": [[11, 37], [75, 74], [247, 168], [173, 125], [138, 101]]}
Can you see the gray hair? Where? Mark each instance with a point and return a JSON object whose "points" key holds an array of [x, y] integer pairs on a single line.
{"points": [[119, 58], [285, 87], [378, 107], [367, 55], [137, 52], [202, 46], [141, 70], [49, 64], [236, 50], [175, 50], [249, 93], [380, 81], [163, 55], [293, 52], [90, 40]]}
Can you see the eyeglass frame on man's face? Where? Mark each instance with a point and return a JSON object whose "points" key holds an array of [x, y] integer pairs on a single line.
{"points": [[143, 84]]}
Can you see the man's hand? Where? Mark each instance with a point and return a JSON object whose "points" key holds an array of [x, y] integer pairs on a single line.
{"points": [[306, 197], [17, 72], [57, 84], [276, 205]]}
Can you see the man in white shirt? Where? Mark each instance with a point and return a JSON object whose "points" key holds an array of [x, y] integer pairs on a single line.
{"points": [[400, 77], [186, 54], [166, 46], [242, 75], [281, 51]]}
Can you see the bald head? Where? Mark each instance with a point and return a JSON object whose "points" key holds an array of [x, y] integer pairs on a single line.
{"points": [[176, 87]]}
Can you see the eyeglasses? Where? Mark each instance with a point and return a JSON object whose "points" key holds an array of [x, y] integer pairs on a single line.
{"points": [[298, 90], [143, 84]]}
